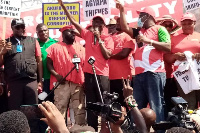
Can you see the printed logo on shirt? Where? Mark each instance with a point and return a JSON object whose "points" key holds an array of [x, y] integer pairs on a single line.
{"points": [[119, 46]]}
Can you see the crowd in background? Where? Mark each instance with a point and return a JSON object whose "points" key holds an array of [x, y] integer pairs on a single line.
{"points": [[143, 56]]}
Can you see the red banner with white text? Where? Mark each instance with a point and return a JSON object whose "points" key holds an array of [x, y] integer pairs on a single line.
{"points": [[161, 7]]}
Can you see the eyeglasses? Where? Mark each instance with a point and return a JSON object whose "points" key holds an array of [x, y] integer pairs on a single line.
{"points": [[18, 27]]}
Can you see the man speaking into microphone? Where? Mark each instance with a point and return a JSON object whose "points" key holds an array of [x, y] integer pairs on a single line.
{"points": [[61, 58], [99, 45]]}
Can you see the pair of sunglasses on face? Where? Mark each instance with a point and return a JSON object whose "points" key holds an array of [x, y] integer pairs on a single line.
{"points": [[18, 27]]}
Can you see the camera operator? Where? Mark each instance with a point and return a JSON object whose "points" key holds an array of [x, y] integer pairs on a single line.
{"points": [[135, 112]]}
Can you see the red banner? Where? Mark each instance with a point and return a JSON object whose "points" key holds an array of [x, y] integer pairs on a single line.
{"points": [[161, 7]]}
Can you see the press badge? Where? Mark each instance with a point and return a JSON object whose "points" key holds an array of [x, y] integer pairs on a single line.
{"points": [[19, 48]]}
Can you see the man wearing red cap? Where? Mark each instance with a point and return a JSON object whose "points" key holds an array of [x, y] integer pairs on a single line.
{"points": [[149, 65], [59, 63], [100, 47], [188, 40]]}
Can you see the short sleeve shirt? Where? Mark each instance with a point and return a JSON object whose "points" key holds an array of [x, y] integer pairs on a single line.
{"points": [[121, 68], [183, 42], [147, 58], [61, 54], [91, 49], [37, 49], [43, 47]]}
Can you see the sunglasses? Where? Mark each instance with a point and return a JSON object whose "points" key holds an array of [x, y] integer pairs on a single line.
{"points": [[18, 27]]}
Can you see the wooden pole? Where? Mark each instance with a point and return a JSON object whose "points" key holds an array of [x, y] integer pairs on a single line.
{"points": [[4, 29]]}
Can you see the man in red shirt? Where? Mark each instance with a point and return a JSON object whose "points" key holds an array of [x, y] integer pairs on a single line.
{"points": [[59, 63], [188, 40], [170, 89], [101, 49], [150, 76]]}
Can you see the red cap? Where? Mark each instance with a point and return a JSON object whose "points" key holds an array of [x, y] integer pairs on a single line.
{"points": [[148, 10], [100, 16], [189, 16], [66, 28]]}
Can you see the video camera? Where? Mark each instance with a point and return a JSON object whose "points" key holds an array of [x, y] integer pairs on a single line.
{"points": [[110, 110], [178, 117]]}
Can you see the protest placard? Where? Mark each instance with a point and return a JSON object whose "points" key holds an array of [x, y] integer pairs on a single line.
{"points": [[92, 7], [10, 9], [54, 16], [190, 5], [188, 73]]}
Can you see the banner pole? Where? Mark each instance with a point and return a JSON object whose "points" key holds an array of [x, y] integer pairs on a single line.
{"points": [[4, 29]]}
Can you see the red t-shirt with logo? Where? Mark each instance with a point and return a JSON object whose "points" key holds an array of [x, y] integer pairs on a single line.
{"points": [[62, 54], [183, 42], [124, 67], [147, 58], [91, 49]]}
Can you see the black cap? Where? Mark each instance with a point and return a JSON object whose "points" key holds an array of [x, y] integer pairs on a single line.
{"points": [[17, 22]]}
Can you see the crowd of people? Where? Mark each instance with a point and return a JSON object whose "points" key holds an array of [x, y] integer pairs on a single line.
{"points": [[136, 63]]}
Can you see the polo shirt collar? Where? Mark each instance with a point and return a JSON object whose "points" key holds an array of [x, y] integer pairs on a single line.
{"points": [[50, 40]]}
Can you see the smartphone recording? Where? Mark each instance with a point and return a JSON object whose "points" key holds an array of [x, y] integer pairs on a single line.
{"points": [[31, 111]]}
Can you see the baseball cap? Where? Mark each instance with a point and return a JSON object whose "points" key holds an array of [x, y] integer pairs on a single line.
{"points": [[16, 22], [147, 10], [100, 16], [116, 17], [66, 28], [189, 16], [112, 21]]}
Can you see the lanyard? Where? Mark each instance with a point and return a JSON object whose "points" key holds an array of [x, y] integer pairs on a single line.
{"points": [[18, 41]]}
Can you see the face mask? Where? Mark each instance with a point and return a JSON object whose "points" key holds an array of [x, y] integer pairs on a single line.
{"points": [[140, 23]]}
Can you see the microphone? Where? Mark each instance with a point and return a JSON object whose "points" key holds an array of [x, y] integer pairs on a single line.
{"points": [[140, 44], [76, 61], [95, 37], [91, 60]]}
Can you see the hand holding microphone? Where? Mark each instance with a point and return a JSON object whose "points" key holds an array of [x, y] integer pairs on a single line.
{"points": [[96, 34]]}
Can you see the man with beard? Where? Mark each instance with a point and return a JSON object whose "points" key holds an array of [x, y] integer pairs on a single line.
{"points": [[59, 63], [100, 46], [21, 57], [45, 41]]}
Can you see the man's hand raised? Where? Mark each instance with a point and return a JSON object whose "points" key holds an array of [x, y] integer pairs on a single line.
{"points": [[127, 90], [60, 2], [119, 5]]}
